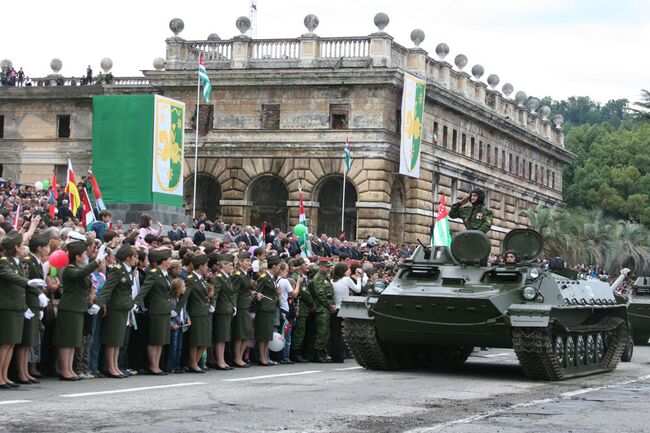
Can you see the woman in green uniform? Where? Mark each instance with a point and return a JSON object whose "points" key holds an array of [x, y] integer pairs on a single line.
{"points": [[155, 293], [13, 310], [223, 302], [199, 309], [266, 310], [116, 299], [76, 285], [40, 251], [242, 324]]}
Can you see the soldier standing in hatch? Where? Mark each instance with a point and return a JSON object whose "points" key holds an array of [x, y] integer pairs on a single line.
{"points": [[476, 216]]}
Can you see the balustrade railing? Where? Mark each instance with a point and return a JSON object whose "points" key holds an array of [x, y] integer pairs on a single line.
{"points": [[275, 49], [344, 47]]}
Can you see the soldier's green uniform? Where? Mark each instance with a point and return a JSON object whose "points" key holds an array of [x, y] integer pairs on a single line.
{"points": [[323, 294], [266, 309], [198, 310], [117, 296], [12, 301], [242, 324], [476, 216], [155, 293], [223, 301], [305, 306], [30, 329]]}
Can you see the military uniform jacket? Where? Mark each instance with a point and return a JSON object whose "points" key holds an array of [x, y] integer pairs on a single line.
{"points": [[266, 286], [196, 293], [322, 291], [241, 288], [76, 285], [13, 285], [223, 299], [155, 292], [117, 293], [305, 297], [474, 217], [34, 270]]}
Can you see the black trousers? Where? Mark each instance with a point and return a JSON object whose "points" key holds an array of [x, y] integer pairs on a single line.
{"points": [[336, 344]]}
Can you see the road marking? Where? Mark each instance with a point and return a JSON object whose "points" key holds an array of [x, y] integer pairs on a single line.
{"points": [[494, 355], [268, 376], [563, 396], [144, 388], [358, 367], [15, 401]]}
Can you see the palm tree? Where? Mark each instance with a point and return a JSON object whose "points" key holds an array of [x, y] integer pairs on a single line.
{"points": [[644, 112]]}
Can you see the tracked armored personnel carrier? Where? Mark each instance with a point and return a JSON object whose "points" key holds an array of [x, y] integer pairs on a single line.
{"points": [[445, 301], [638, 310]]}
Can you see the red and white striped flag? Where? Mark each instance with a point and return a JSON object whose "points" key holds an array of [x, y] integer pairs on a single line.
{"points": [[16, 215], [87, 214]]}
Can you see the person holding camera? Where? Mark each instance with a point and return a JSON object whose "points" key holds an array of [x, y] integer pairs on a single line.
{"points": [[343, 286]]}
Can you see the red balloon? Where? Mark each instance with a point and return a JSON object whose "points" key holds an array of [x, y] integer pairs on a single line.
{"points": [[59, 259]]}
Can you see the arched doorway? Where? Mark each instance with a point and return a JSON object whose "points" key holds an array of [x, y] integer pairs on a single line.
{"points": [[396, 229], [268, 196], [330, 196], [208, 195]]}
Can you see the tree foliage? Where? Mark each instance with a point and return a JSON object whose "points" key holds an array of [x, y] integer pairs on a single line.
{"points": [[581, 110], [591, 237]]}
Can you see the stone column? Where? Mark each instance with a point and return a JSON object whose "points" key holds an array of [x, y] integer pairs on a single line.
{"points": [[309, 50], [479, 92], [241, 51], [176, 52], [496, 97], [380, 49], [416, 61], [445, 74], [461, 84]]}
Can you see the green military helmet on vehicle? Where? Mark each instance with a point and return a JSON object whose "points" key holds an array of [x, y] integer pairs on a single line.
{"points": [[638, 310], [443, 302]]}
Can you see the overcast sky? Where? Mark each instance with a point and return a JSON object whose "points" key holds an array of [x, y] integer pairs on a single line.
{"points": [[559, 48]]}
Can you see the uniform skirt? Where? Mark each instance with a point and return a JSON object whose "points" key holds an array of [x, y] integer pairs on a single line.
{"points": [[159, 329], [264, 325], [242, 326], [68, 329], [200, 332], [11, 326], [221, 327], [114, 328], [30, 330]]}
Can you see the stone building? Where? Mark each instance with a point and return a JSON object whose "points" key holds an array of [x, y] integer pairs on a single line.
{"points": [[278, 116]]}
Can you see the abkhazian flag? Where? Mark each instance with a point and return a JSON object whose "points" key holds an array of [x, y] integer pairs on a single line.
{"points": [[205, 80], [71, 189], [347, 156], [302, 219], [87, 214], [99, 202], [441, 234]]}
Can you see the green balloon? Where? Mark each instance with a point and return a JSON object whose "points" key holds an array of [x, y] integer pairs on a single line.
{"points": [[53, 272], [46, 184], [299, 230]]}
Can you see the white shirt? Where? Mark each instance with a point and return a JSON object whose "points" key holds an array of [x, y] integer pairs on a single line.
{"points": [[342, 289], [286, 288]]}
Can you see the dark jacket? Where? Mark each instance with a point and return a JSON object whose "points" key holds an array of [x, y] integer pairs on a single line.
{"points": [[76, 284]]}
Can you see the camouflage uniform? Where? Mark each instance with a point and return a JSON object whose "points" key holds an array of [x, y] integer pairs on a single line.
{"points": [[323, 294], [474, 217], [305, 306]]}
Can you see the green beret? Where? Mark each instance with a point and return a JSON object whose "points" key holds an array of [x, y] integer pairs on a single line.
{"points": [[199, 259], [226, 258], [297, 262], [273, 260], [243, 256]]}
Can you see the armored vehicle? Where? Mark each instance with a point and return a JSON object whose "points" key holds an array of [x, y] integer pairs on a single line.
{"points": [[445, 301], [638, 310]]}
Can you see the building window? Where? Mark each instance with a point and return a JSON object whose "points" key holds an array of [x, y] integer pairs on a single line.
{"points": [[61, 172], [489, 154], [472, 147], [463, 144], [510, 164], [2, 126], [536, 173], [517, 165], [398, 122], [445, 134], [496, 156], [339, 114], [454, 188], [270, 116], [548, 177], [503, 159], [553, 180], [205, 119], [454, 141], [435, 132], [530, 171], [63, 126], [480, 150]]}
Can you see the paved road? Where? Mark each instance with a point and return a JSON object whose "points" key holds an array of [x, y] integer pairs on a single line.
{"points": [[488, 394]]}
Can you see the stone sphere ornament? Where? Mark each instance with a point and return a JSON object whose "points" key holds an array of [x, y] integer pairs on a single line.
{"points": [[533, 104], [311, 22], [417, 36], [213, 37], [442, 50], [478, 71], [381, 21], [176, 25], [6, 64], [56, 65], [106, 64], [545, 111], [507, 89], [521, 97], [558, 119], [460, 61], [493, 81], [158, 63], [243, 24]]}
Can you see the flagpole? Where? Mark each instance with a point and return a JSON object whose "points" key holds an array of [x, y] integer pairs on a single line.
{"points": [[196, 139], [345, 175]]}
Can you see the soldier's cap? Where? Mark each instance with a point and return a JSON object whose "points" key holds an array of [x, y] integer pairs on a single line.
{"points": [[160, 255], [74, 236], [226, 258], [273, 260], [297, 262], [199, 259], [324, 261], [243, 255]]}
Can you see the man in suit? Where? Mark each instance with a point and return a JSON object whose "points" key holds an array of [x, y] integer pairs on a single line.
{"points": [[183, 230], [175, 234], [248, 237], [199, 236]]}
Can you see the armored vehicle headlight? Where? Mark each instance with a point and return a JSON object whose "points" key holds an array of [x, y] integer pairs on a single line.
{"points": [[529, 293], [379, 286], [533, 273]]}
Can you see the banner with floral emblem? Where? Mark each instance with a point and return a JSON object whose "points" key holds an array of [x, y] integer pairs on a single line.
{"points": [[411, 131], [168, 146]]}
